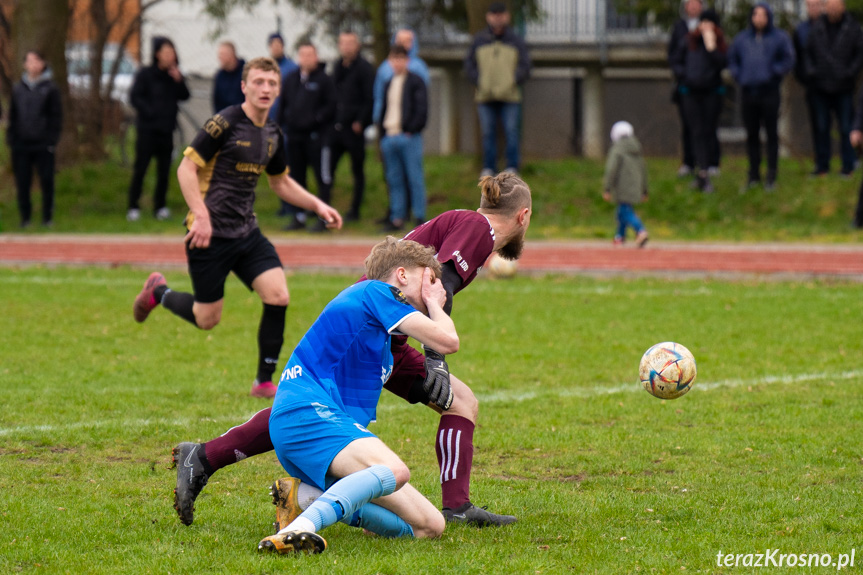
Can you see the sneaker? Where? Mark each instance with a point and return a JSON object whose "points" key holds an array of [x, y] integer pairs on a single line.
{"points": [[753, 183], [641, 238], [163, 214], [486, 172], [418, 222], [133, 215], [352, 216], [294, 225], [684, 171], [264, 389], [191, 478], [511, 170], [393, 226], [25, 224], [318, 227], [770, 186], [48, 225], [478, 516], [713, 171], [146, 301], [284, 492], [293, 542], [618, 241], [817, 173]]}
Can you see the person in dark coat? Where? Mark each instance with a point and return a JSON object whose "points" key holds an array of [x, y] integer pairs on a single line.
{"points": [[856, 140], [353, 77], [759, 58], [35, 122], [403, 118], [697, 65], [836, 49], [308, 107], [227, 89], [156, 93], [691, 11], [804, 69]]}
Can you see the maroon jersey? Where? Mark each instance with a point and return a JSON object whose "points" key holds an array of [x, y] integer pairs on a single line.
{"points": [[464, 237]]}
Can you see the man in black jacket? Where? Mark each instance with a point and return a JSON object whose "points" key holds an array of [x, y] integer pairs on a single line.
{"points": [[353, 77], [836, 49], [35, 120], [308, 106], [156, 94], [403, 118], [803, 67], [687, 23]]}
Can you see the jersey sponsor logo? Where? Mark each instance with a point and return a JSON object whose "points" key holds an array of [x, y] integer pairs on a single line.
{"points": [[215, 126], [400, 297], [386, 373], [292, 372], [324, 412], [249, 167], [460, 261], [244, 143]]}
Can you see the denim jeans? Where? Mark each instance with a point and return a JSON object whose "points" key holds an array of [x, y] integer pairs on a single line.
{"points": [[403, 161], [626, 216], [509, 113], [842, 106]]}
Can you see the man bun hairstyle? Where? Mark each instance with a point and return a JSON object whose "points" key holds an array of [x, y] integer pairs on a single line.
{"points": [[504, 193], [265, 64], [393, 253]]}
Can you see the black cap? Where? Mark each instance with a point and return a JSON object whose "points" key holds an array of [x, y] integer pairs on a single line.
{"points": [[711, 15], [497, 8]]}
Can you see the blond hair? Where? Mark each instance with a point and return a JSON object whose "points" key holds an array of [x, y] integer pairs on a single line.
{"points": [[393, 253], [264, 64], [504, 193]]}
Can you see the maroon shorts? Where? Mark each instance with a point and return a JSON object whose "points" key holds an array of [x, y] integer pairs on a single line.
{"points": [[409, 370]]}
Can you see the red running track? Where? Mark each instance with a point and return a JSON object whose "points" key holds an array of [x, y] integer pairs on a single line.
{"points": [[588, 257]]}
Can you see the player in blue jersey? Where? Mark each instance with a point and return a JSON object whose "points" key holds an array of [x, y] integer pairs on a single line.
{"points": [[329, 393]]}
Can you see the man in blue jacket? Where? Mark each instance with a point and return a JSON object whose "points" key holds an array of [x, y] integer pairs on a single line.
{"points": [[759, 58], [226, 85]]}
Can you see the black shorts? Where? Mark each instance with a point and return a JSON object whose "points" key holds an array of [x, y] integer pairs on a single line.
{"points": [[248, 257]]}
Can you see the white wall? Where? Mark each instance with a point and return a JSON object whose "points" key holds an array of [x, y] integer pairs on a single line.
{"points": [[191, 32]]}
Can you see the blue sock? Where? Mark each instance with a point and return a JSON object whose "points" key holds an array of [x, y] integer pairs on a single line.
{"points": [[350, 493], [379, 520]]}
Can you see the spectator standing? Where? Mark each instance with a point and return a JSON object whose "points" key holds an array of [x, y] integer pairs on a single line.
{"points": [[308, 107], [804, 69], [625, 182], [759, 58], [836, 49], [276, 46], [687, 23], [697, 65], [35, 121], [403, 118], [498, 65], [227, 90], [353, 77], [156, 93]]}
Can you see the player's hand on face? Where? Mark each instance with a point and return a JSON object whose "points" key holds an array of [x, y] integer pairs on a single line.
{"points": [[199, 234], [432, 293], [331, 217]]}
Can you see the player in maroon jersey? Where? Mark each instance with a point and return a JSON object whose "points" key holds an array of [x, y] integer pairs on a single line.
{"points": [[464, 239]]}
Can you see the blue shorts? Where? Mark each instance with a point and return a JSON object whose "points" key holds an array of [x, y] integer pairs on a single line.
{"points": [[308, 433]]}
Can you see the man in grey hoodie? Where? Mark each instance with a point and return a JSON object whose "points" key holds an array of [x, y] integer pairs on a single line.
{"points": [[35, 120]]}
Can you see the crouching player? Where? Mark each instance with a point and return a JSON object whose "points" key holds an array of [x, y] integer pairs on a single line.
{"points": [[333, 383]]}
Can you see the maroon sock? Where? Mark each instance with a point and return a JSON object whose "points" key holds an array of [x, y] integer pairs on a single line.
{"points": [[238, 443], [454, 448]]}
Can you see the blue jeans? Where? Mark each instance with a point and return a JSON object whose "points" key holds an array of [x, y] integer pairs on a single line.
{"points": [[403, 161], [842, 106], [626, 216], [489, 114]]}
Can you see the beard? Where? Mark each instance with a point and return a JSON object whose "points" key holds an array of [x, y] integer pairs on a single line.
{"points": [[513, 248]]}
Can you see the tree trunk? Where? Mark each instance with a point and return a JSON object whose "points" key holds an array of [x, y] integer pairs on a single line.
{"points": [[380, 33], [41, 25]]}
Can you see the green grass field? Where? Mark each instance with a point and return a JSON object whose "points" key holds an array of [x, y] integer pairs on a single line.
{"points": [[763, 453], [91, 198]]}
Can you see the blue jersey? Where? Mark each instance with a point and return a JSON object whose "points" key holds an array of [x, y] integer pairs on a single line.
{"points": [[346, 352]]}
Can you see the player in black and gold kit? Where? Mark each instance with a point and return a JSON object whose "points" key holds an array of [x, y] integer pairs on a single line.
{"points": [[218, 177]]}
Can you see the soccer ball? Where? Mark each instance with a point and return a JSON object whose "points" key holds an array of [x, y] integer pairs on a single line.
{"points": [[501, 268], [667, 370]]}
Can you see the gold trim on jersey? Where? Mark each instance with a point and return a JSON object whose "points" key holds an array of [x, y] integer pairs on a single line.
{"points": [[205, 175], [193, 155]]}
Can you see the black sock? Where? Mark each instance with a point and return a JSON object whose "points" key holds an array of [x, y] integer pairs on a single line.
{"points": [[159, 292], [181, 304], [271, 335]]}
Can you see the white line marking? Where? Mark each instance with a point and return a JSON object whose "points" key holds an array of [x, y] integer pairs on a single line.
{"points": [[484, 398]]}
